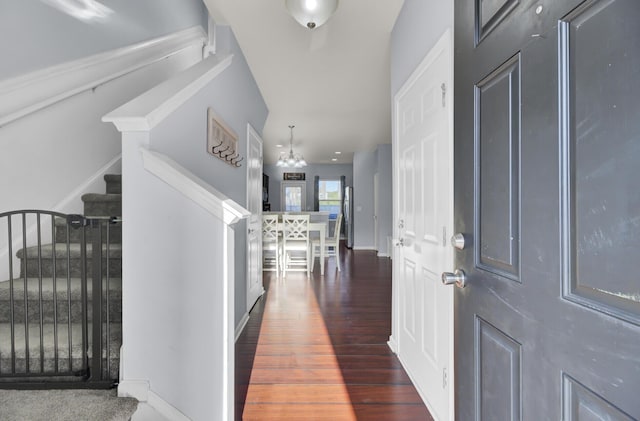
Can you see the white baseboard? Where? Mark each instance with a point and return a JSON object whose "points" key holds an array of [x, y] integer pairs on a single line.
{"points": [[241, 325], [383, 254], [138, 389], [393, 345], [165, 409], [370, 248]]}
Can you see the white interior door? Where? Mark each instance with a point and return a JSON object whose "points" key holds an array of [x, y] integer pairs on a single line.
{"points": [[423, 184], [254, 224]]}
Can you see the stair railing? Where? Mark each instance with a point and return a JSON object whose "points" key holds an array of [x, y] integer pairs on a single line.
{"points": [[52, 333]]}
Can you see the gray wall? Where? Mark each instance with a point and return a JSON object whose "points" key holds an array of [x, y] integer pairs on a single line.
{"points": [[364, 167], [321, 170], [385, 197], [419, 25], [235, 97], [34, 34]]}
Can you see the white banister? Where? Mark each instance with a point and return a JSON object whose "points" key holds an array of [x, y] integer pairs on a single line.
{"points": [[149, 109], [193, 187]]}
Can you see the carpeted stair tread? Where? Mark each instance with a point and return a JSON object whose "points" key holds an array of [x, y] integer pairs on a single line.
{"points": [[101, 197], [102, 204], [75, 235], [113, 178], [74, 252], [115, 335], [33, 288], [113, 182], [65, 405]]}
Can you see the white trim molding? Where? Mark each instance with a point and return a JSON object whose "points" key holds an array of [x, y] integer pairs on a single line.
{"points": [[138, 389], [25, 94], [393, 344], [370, 248], [165, 409], [193, 187], [149, 109], [241, 325]]}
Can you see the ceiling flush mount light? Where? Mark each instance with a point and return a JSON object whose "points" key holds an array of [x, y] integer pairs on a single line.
{"points": [[292, 160], [311, 13]]}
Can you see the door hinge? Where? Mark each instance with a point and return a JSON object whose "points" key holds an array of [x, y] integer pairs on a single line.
{"points": [[444, 94], [444, 378]]}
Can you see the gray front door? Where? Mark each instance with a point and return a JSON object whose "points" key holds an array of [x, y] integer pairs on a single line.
{"points": [[547, 194]]}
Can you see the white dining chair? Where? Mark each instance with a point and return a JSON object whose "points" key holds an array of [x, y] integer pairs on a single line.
{"points": [[295, 244], [270, 244], [331, 245]]}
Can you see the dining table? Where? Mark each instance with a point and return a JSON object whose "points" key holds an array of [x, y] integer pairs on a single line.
{"points": [[314, 226], [319, 227]]}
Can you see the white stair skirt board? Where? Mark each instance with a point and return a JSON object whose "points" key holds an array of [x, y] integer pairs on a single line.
{"points": [[241, 325], [28, 93]]}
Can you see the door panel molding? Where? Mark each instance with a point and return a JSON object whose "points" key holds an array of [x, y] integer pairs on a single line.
{"points": [[497, 356], [497, 171], [580, 402], [591, 225], [489, 18]]}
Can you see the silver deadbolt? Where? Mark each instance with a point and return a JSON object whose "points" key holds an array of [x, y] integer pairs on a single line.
{"points": [[458, 277], [458, 241]]}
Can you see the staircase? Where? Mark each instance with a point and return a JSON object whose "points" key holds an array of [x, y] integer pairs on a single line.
{"points": [[45, 331]]}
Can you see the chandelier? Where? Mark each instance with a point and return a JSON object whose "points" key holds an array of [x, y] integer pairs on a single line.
{"points": [[292, 160], [311, 13]]}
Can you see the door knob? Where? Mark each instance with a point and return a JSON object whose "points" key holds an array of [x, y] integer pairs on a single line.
{"points": [[458, 241], [458, 277]]}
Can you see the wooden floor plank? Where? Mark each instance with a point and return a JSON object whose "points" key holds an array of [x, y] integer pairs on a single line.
{"points": [[315, 349]]}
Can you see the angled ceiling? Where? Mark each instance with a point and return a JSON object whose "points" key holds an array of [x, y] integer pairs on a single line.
{"points": [[331, 82]]}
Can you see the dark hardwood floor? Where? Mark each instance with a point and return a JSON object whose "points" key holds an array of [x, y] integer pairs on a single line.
{"points": [[316, 349]]}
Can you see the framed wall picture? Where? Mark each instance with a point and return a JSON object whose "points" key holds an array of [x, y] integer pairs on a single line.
{"points": [[293, 176]]}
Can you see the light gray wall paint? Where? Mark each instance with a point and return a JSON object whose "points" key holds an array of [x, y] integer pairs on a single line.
{"points": [[322, 170], [385, 197], [236, 99], [419, 25], [35, 35], [364, 167]]}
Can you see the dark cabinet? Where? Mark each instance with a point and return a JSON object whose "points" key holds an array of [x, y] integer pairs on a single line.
{"points": [[266, 206]]}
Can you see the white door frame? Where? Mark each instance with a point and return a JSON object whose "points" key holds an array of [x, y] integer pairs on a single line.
{"points": [[376, 208], [283, 198], [252, 135], [444, 43]]}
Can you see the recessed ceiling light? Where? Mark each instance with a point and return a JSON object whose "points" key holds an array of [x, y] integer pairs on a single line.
{"points": [[279, 145], [338, 152], [334, 159]]}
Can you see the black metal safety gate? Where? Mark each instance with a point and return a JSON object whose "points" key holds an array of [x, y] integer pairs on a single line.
{"points": [[60, 317]]}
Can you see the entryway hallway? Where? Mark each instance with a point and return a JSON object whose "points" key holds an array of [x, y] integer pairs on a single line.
{"points": [[316, 349]]}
